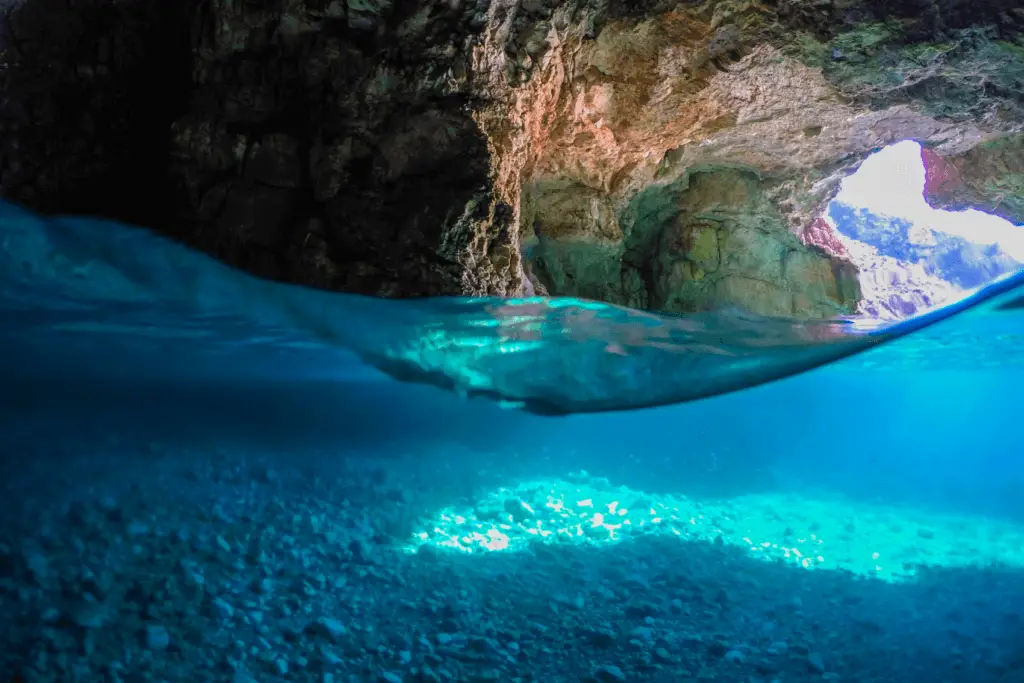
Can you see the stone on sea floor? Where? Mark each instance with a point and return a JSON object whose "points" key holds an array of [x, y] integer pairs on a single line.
{"points": [[222, 608], [518, 509], [601, 637], [281, 666], [362, 552], [38, 566], [609, 673], [327, 627], [89, 614], [642, 633], [157, 637], [816, 662], [223, 544]]}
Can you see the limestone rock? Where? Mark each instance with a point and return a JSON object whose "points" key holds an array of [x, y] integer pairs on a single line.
{"points": [[658, 154], [989, 177]]}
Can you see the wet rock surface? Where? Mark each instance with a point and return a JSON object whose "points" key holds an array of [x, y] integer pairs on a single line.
{"points": [[419, 148]]}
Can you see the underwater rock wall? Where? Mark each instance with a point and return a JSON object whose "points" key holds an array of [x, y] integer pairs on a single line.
{"points": [[664, 155]]}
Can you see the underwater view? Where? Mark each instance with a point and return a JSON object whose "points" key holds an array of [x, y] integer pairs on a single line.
{"points": [[512, 341], [211, 477]]}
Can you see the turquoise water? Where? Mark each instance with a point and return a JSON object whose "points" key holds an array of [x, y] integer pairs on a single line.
{"points": [[208, 477]]}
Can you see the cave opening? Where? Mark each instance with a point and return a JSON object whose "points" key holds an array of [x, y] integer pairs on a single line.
{"points": [[912, 257]]}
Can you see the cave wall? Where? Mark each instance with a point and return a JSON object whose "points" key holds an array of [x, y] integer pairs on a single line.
{"points": [[406, 147], [602, 126], [323, 143], [988, 177], [708, 240], [88, 92], [334, 144]]}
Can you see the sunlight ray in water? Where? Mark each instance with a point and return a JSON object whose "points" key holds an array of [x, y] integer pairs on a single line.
{"points": [[815, 533]]}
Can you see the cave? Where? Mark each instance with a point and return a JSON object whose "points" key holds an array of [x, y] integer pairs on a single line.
{"points": [[667, 156], [209, 477], [911, 257]]}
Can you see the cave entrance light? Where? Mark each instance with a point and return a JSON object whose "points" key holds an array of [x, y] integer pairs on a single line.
{"points": [[911, 256]]}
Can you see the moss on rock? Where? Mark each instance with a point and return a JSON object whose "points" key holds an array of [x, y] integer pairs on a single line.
{"points": [[969, 74]]}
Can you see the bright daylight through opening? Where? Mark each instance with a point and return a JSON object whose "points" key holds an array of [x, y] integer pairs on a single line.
{"points": [[912, 257]]}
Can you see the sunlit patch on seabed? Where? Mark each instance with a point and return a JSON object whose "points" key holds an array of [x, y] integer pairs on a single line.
{"points": [[884, 542]]}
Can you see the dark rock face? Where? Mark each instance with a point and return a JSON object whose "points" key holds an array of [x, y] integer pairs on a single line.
{"points": [[321, 147], [303, 141], [921, 19], [89, 90]]}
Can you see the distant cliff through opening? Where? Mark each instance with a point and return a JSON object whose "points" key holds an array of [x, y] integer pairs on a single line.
{"points": [[912, 257]]}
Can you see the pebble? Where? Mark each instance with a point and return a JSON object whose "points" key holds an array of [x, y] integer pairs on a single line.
{"points": [[38, 566], [642, 633], [89, 614], [362, 552], [609, 673], [432, 628], [223, 609], [138, 528], [329, 628], [157, 637], [603, 638]]}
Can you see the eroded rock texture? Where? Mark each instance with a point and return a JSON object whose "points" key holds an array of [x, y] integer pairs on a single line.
{"points": [[668, 155]]}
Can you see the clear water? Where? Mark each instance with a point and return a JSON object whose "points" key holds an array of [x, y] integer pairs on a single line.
{"points": [[208, 477]]}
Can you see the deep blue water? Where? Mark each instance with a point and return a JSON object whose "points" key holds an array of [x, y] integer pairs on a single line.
{"points": [[161, 414]]}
